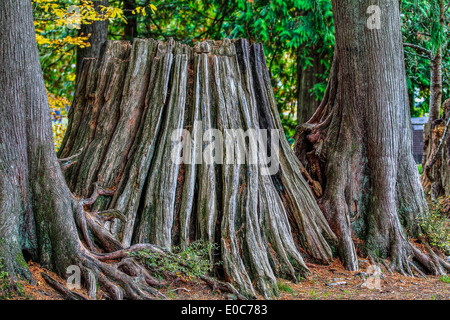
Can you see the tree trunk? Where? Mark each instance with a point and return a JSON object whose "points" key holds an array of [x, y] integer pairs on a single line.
{"points": [[126, 108], [307, 78], [357, 146], [131, 25], [98, 31], [35, 205], [436, 166], [435, 86], [431, 132], [431, 180]]}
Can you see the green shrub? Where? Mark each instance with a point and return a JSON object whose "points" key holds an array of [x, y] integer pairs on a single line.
{"points": [[285, 288], [436, 228], [192, 262], [445, 279], [5, 284]]}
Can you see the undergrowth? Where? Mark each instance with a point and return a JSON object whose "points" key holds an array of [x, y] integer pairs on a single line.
{"points": [[284, 287], [5, 284], [436, 227], [190, 263]]}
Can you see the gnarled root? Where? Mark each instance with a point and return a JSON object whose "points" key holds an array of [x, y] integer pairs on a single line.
{"points": [[133, 267], [126, 278], [122, 280], [408, 260]]}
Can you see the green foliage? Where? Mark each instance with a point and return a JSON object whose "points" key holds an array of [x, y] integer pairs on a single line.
{"points": [[421, 26], [56, 24], [288, 29], [436, 228], [284, 287], [190, 263], [445, 279], [5, 283]]}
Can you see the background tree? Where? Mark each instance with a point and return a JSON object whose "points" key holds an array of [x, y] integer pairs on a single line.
{"points": [[356, 146], [58, 24], [130, 31], [428, 37], [425, 37], [96, 30]]}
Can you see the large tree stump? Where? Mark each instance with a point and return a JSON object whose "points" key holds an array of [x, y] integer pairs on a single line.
{"points": [[119, 138]]}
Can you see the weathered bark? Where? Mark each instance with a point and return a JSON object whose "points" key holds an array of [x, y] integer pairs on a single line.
{"points": [[307, 78], [98, 31], [35, 204], [356, 147], [261, 222]]}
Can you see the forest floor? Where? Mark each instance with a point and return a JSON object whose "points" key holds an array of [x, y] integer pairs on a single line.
{"points": [[330, 282]]}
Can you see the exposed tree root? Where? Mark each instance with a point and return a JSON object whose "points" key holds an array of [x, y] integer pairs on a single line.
{"points": [[66, 293], [411, 261], [127, 278]]}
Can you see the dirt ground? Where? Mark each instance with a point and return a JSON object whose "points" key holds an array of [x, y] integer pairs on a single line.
{"points": [[331, 282]]}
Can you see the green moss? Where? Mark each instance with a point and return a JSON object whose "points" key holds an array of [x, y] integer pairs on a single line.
{"points": [[21, 261]]}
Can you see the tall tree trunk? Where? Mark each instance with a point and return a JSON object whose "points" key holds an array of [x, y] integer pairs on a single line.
{"points": [[35, 204], [435, 86], [431, 180], [131, 25], [307, 78], [98, 31], [358, 143]]}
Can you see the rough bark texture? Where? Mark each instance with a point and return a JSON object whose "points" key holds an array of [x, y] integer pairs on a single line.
{"points": [[307, 78], [35, 205], [126, 107], [356, 147]]}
